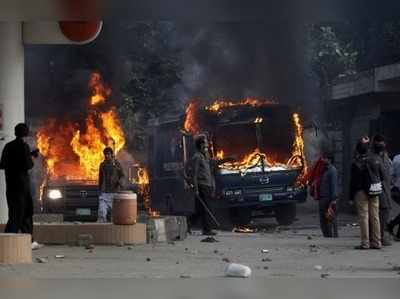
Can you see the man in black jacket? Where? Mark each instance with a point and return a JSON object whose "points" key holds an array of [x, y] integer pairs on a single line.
{"points": [[328, 197], [365, 170], [16, 160]]}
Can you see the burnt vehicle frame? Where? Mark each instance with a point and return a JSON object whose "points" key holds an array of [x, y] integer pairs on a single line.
{"points": [[256, 194]]}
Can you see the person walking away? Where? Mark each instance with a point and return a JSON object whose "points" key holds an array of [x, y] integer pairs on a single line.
{"points": [[111, 176], [385, 198], [328, 198], [366, 170], [395, 192], [16, 160], [203, 184]]}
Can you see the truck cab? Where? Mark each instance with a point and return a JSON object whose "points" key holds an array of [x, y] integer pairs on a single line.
{"points": [[267, 181], [262, 181]]}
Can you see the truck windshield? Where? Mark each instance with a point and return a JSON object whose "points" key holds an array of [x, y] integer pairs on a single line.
{"points": [[263, 143]]}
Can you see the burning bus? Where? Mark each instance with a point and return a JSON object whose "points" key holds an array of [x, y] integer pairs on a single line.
{"points": [[72, 153], [265, 177]]}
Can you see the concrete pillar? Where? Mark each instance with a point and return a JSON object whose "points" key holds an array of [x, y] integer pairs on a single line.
{"points": [[11, 92]]}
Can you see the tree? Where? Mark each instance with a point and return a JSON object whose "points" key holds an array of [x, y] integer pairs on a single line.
{"points": [[154, 71], [340, 49]]}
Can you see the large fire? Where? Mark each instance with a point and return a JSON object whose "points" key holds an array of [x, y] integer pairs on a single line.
{"points": [[74, 151], [255, 159], [143, 182]]}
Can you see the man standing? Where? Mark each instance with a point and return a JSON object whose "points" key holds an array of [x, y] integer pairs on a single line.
{"points": [[380, 153], [111, 178], [16, 161], [328, 197], [203, 183], [366, 170]]}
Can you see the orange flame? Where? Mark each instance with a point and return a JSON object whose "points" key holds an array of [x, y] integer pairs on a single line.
{"points": [[191, 121], [256, 158], [75, 152], [144, 190], [99, 91], [218, 105]]}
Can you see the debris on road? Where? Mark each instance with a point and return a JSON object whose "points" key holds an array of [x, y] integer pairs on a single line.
{"points": [[148, 259], [396, 268], [85, 240], [185, 276], [130, 247], [42, 260], [325, 275], [89, 247], [237, 270], [216, 251], [318, 267], [264, 250], [60, 256], [266, 260], [209, 240], [226, 260], [309, 238]]}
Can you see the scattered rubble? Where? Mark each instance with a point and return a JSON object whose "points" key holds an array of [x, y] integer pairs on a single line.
{"points": [[309, 238], [325, 275], [209, 240], [237, 270], [216, 251], [185, 276], [148, 259], [264, 250], [130, 247], [266, 260], [89, 247], [60, 256], [318, 267], [42, 260], [266, 268]]}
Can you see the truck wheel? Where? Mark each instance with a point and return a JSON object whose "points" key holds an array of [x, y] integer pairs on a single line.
{"points": [[285, 214], [240, 216]]}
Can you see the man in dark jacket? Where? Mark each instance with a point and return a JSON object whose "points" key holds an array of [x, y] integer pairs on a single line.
{"points": [[365, 170], [380, 153], [328, 197], [203, 183], [111, 176], [16, 161]]}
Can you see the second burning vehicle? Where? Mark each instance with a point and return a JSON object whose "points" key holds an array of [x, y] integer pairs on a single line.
{"points": [[265, 177]]}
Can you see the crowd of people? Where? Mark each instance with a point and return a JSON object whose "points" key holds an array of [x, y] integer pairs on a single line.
{"points": [[374, 184]]}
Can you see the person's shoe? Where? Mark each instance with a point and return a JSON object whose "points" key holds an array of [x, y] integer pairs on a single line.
{"points": [[209, 233], [361, 247], [35, 245]]}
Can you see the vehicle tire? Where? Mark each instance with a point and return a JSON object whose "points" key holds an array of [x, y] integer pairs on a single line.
{"points": [[240, 216], [285, 214]]}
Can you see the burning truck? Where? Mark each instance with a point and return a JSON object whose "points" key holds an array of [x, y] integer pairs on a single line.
{"points": [[72, 153], [265, 178]]}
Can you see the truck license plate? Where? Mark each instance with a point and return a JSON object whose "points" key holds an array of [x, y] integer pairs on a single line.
{"points": [[265, 197], [83, 212]]}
